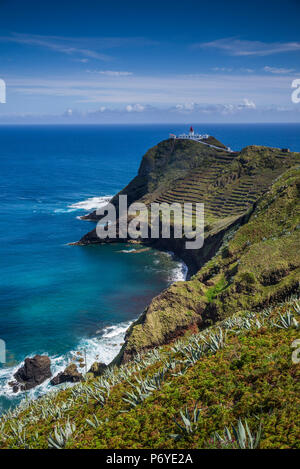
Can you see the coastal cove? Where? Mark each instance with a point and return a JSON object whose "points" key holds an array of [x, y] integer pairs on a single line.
{"points": [[56, 298]]}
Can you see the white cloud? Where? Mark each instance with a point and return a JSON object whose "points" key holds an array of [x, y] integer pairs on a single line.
{"points": [[228, 108], [65, 45], [83, 61], [278, 71], [88, 48], [160, 91], [111, 73], [135, 108], [249, 104], [222, 69], [233, 46]]}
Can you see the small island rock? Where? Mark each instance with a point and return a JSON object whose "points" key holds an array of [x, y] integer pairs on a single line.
{"points": [[70, 375]]}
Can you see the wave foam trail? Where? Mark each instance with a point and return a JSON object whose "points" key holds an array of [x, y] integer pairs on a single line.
{"points": [[91, 203], [179, 273]]}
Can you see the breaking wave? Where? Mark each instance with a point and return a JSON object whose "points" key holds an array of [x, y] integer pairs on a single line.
{"points": [[91, 203], [102, 348]]}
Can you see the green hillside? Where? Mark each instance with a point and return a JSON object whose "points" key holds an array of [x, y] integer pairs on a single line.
{"points": [[237, 372], [257, 264]]}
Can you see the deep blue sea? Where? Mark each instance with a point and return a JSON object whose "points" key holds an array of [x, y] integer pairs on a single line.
{"points": [[55, 298]]}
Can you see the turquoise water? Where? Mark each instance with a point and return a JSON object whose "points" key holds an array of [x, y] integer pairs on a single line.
{"points": [[56, 298]]}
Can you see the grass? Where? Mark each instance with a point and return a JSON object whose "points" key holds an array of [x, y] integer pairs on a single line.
{"points": [[212, 292]]}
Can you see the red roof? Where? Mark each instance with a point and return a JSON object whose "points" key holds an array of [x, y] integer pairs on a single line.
{"points": [[191, 129]]}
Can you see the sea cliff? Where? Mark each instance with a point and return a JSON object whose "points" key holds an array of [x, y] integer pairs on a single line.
{"points": [[250, 258]]}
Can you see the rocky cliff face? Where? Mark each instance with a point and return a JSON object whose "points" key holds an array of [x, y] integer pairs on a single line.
{"points": [[258, 264], [251, 251]]}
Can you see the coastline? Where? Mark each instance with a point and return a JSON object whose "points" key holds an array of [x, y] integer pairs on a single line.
{"points": [[104, 346]]}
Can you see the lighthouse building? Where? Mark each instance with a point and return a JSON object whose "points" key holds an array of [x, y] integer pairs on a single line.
{"points": [[191, 135], [201, 138]]}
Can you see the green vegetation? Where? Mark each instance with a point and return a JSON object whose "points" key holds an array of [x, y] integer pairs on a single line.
{"points": [[208, 364], [257, 264], [212, 292], [233, 385]]}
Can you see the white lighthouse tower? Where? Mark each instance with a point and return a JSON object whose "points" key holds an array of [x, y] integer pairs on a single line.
{"points": [[191, 132]]}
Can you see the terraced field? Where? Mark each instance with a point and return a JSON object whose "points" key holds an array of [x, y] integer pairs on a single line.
{"points": [[231, 183]]}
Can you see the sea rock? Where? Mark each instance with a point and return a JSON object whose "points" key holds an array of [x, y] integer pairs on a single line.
{"points": [[15, 386], [97, 369], [34, 372], [70, 375]]}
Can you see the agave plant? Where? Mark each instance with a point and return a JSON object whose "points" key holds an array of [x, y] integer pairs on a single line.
{"points": [[217, 341], [95, 394], [2, 434], [61, 436], [19, 432], [177, 347], [180, 372], [94, 422], [242, 436], [296, 307], [189, 423], [287, 320], [135, 399], [267, 311]]}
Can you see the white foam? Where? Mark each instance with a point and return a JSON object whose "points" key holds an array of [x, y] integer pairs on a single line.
{"points": [[91, 203], [64, 210], [102, 348], [179, 273]]}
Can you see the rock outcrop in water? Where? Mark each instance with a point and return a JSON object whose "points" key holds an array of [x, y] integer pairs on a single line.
{"points": [[69, 375], [34, 372], [97, 369]]}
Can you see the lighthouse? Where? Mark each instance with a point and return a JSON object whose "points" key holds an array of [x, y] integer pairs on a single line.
{"points": [[191, 133]]}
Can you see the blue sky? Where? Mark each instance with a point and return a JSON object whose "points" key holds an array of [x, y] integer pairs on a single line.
{"points": [[159, 61]]}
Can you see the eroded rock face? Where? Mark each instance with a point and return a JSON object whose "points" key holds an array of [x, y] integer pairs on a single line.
{"points": [[70, 375], [97, 369], [34, 372]]}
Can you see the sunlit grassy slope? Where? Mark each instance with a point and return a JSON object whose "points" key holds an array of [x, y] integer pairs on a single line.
{"points": [[239, 370]]}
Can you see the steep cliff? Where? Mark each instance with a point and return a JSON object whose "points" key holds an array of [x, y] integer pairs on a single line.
{"points": [[258, 264], [250, 255]]}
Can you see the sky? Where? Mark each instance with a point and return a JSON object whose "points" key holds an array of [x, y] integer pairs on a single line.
{"points": [[140, 62]]}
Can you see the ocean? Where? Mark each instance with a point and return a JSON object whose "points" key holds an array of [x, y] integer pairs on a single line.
{"points": [[57, 299]]}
